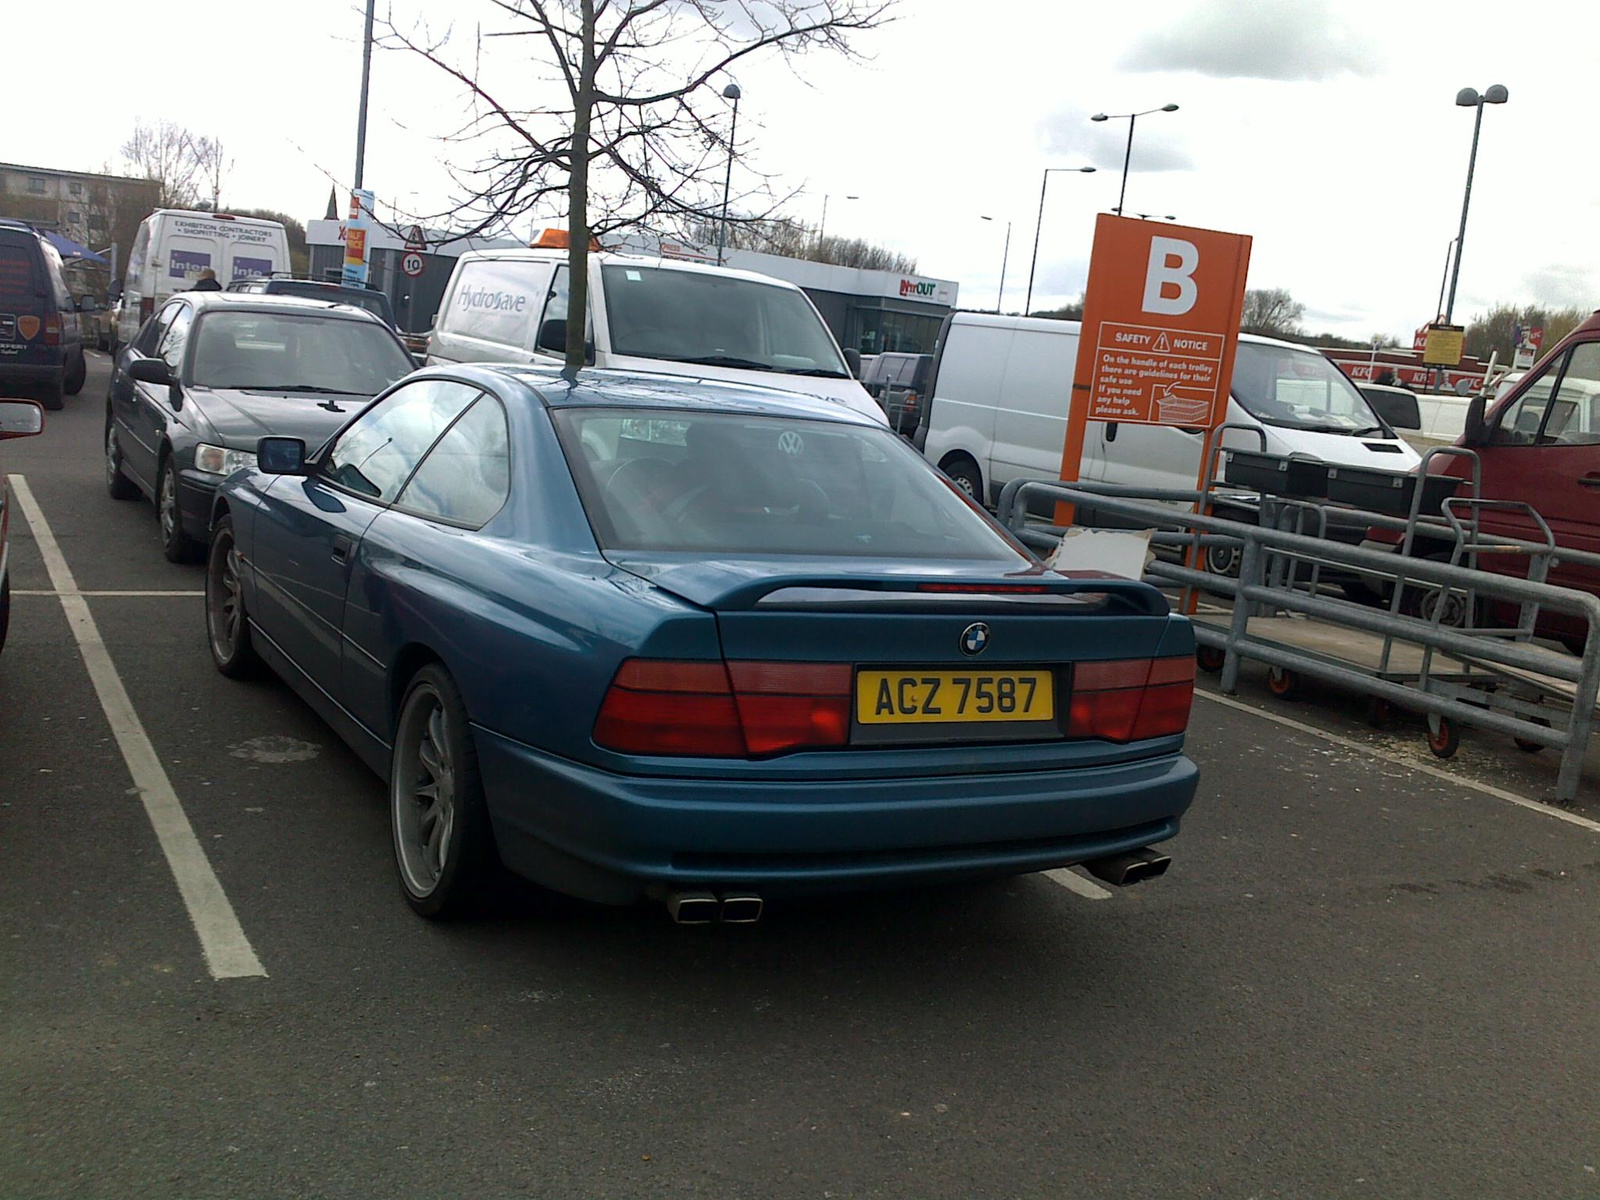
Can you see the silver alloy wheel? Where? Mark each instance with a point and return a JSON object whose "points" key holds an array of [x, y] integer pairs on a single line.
{"points": [[422, 792], [224, 607], [111, 455], [169, 503]]}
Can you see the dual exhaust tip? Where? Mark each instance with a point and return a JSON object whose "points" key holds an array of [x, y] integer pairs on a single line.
{"points": [[706, 908], [1124, 870]]}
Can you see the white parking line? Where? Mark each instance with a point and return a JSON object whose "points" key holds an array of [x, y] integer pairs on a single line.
{"points": [[227, 951], [1488, 789], [103, 595], [1077, 884]]}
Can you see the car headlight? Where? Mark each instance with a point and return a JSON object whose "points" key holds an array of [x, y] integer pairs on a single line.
{"points": [[218, 460]]}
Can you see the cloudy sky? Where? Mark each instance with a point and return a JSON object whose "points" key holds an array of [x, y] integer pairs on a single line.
{"points": [[1324, 128]]}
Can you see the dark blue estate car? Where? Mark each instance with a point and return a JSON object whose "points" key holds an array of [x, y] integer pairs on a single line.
{"points": [[633, 635]]}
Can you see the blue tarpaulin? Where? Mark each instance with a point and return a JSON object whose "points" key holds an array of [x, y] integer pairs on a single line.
{"points": [[68, 248]]}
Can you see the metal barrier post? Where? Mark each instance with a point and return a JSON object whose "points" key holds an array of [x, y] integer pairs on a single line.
{"points": [[1250, 561]]}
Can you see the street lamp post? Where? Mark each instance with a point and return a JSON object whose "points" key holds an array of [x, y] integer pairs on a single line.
{"points": [[1005, 256], [731, 92], [1127, 155], [366, 79], [822, 229], [1469, 98], [1039, 226]]}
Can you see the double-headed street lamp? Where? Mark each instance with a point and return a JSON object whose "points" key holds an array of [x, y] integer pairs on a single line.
{"points": [[1039, 225], [1005, 255], [1469, 98], [1128, 154], [731, 92]]}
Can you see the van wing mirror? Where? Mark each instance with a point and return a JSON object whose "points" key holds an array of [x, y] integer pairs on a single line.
{"points": [[852, 359], [1475, 430], [553, 336], [281, 456]]}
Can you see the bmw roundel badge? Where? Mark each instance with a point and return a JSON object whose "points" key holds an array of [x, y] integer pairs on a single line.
{"points": [[974, 638]]}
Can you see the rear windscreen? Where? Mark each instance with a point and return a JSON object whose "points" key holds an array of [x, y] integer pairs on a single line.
{"points": [[17, 285]]}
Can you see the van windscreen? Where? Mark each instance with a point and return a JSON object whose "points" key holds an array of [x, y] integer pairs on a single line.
{"points": [[716, 321], [1300, 389]]}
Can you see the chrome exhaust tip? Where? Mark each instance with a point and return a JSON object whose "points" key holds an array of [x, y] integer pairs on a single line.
{"points": [[1125, 870], [693, 908], [741, 908]]}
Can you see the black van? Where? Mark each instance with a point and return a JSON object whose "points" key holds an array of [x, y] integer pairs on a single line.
{"points": [[41, 349], [374, 301]]}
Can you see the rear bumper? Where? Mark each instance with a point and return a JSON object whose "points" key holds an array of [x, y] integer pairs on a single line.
{"points": [[13, 371], [613, 838]]}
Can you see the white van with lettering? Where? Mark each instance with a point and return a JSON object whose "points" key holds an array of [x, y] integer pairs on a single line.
{"points": [[645, 314], [1002, 387], [173, 247]]}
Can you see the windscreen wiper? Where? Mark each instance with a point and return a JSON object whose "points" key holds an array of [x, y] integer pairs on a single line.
{"points": [[719, 360], [816, 372], [1369, 431], [304, 387]]}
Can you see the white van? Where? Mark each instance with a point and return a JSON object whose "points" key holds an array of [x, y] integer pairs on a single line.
{"points": [[999, 411], [646, 314], [173, 246]]}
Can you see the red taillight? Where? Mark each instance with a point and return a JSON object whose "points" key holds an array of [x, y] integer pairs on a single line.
{"points": [[1128, 700], [719, 710], [52, 329]]}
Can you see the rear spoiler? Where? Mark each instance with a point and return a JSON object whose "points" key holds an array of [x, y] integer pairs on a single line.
{"points": [[942, 594]]}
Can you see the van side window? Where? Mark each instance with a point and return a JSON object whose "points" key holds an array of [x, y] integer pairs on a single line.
{"points": [[1561, 407]]}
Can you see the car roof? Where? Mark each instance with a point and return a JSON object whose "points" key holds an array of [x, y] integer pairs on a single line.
{"points": [[601, 387], [270, 302], [630, 260]]}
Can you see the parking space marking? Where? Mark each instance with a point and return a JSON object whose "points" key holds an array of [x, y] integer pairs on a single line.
{"points": [[227, 951], [1488, 789], [1077, 884], [105, 595]]}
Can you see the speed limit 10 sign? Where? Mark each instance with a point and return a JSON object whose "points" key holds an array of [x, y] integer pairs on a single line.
{"points": [[411, 264]]}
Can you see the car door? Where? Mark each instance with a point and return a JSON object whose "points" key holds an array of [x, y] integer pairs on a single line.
{"points": [[1544, 449], [128, 398], [459, 487], [153, 408], [308, 527]]}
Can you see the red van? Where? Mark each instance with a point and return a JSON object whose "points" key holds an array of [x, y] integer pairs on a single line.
{"points": [[1540, 443]]}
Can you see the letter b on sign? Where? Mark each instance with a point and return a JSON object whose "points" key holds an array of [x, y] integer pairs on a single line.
{"points": [[1172, 266]]}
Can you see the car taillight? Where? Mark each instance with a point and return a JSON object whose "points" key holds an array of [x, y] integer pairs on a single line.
{"points": [[52, 329], [147, 306], [1127, 700], [724, 710]]}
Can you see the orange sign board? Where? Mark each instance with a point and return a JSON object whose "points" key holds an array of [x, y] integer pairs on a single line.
{"points": [[355, 244], [1160, 326]]}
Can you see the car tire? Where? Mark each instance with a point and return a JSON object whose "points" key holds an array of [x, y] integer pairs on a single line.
{"points": [[964, 473], [443, 846], [5, 609], [227, 622], [177, 545], [77, 373], [117, 483]]}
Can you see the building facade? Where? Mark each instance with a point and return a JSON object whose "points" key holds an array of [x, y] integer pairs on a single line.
{"points": [[96, 211]]}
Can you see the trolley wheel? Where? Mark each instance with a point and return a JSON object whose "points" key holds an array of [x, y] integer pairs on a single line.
{"points": [[1444, 737], [1380, 712], [1528, 747], [1209, 658], [1284, 683]]}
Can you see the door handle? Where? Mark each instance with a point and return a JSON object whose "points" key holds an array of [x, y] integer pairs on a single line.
{"points": [[1589, 481], [342, 546]]}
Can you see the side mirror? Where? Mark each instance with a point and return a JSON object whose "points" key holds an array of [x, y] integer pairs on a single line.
{"points": [[87, 304], [151, 370], [1475, 431], [852, 359], [553, 336], [20, 418], [281, 456]]}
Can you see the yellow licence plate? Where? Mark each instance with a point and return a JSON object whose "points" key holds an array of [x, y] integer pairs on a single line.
{"points": [[931, 697]]}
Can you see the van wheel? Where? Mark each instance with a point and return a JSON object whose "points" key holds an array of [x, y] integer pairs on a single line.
{"points": [[77, 372], [964, 473]]}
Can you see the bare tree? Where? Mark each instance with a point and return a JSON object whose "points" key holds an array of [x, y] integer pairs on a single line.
{"points": [[791, 239], [1271, 311], [1493, 331], [164, 152], [621, 116], [212, 165]]}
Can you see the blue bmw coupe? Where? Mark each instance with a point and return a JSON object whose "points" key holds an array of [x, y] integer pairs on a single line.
{"points": [[638, 636]]}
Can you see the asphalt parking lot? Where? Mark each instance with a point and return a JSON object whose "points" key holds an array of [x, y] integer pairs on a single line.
{"points": [[1360, 978]]}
